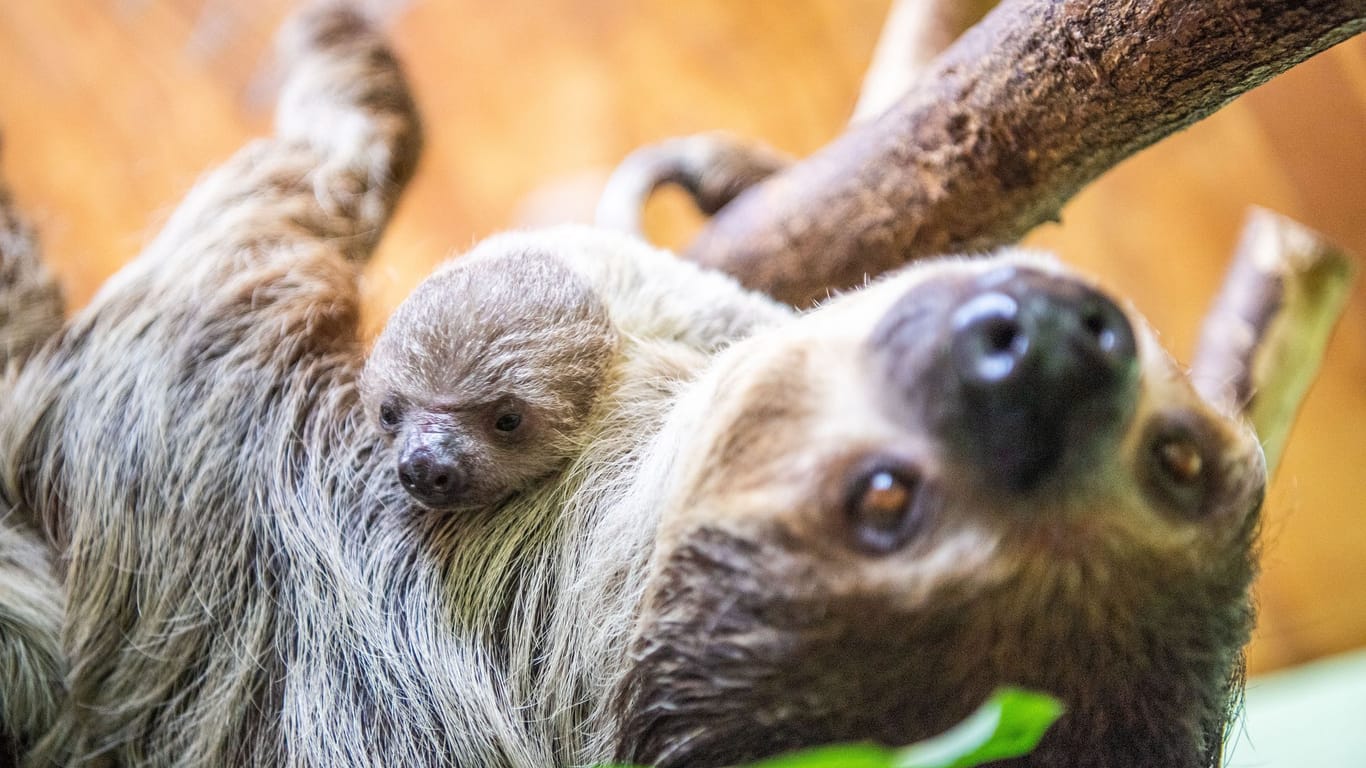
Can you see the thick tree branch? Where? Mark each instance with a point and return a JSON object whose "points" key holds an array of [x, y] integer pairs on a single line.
{"points": [[1027, 107], [916, 31], [1263, 340], [713, 168]]}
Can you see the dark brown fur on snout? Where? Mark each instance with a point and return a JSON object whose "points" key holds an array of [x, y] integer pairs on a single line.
{"points": [[492, 364]]}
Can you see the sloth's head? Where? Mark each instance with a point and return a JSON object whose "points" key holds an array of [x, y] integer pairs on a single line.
{"points": [[973, 474], [485, 374]]}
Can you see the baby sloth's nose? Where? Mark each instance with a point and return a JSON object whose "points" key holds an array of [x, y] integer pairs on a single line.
{"points": [[1046, 367], [431, 475]]}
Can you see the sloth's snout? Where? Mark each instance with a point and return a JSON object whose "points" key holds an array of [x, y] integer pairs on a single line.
{"points": [[1044, 366], [431, 474], [1029, 336]]}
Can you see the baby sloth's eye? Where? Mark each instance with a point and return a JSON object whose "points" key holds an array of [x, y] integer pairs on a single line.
{"points": [[882, 509], [508, 422], [388, 415]]}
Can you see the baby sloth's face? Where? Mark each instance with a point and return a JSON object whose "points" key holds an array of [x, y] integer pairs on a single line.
{"points": [[485, 375], [973, 474]]}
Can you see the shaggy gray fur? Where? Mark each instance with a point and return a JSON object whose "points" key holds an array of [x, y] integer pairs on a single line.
{"points": [[31, 665], [247, 583]]}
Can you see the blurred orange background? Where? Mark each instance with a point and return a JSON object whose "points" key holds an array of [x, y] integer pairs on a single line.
{"points": [[110, 110]]}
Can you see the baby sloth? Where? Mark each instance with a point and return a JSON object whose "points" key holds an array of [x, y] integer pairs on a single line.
{"points": [[482, 382]]}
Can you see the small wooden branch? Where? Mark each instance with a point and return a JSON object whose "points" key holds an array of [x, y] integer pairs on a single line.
{"points": [[1263, 340], [1027, 107], [915, 32], [712, 168], [31, 306]]}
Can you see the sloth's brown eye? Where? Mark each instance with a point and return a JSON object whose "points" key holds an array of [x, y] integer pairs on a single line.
{"points": [[508, 422], [1180, 460], [1177, 469], [882, 509]]}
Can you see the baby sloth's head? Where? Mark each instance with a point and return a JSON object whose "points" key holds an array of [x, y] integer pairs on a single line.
{"points": [[484, 375]]}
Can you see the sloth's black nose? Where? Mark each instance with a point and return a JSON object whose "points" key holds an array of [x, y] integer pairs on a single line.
{"points": [[1043, 363], [431, 475]]}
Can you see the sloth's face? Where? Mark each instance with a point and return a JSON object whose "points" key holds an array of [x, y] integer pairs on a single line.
{"points": [[484, 374], [973, 474]]}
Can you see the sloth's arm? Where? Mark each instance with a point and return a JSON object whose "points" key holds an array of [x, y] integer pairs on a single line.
{"points": [[346, 100], [200, 406], [275, 227]]}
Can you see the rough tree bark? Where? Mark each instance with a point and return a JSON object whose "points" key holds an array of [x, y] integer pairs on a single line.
{"points": [[1263, 340], [1027, 107]]}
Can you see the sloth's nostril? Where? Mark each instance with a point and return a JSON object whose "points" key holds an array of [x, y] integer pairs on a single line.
{"points": [[1094, 322], [1107, 330], [1001, 335], [989, 339]]}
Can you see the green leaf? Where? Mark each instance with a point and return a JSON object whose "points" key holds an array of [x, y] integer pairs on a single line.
{"points": [[1009, 724]]}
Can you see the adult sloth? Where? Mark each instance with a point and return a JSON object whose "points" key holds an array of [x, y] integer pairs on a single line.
{"points": [[846, 526]]}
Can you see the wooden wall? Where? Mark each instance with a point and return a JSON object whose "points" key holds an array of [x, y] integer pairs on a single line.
{"points": [[111, 109]]}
